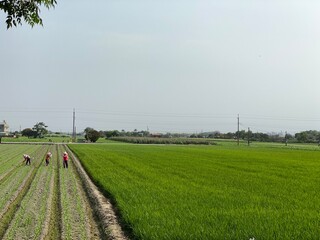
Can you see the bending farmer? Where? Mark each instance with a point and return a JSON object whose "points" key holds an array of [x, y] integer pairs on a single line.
{"points": [[27, 159], [65, 160], [48, 157]]}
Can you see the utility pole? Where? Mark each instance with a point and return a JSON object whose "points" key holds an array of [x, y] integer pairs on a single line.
{"points": [[286, 138], [238, 133], [74, 126], [248, 136]]}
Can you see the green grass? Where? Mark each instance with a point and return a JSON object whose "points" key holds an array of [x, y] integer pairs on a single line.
{"points": [[263, 191], [104, 140], [45, 139], [100, 140], [151, 140]]}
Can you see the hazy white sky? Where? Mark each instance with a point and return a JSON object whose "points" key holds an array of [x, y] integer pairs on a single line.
{"points": [[169, 65]]}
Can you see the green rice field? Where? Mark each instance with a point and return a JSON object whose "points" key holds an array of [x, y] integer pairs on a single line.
{"points": [[265, 191]]}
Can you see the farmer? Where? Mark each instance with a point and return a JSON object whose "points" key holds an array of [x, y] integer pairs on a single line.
{"points": [[65, 160], [27, 159], [48, 157]]}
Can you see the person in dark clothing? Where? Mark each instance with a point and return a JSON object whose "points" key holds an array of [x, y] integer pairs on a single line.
{"points": [[27, 159], [48, 157], [65, 160]]}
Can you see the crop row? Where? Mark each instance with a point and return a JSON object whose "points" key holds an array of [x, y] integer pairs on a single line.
{"points": [[43, 202], [76, 216], [15, 185], [69, 206], [11, 157], [47, 139], [29, 220]]}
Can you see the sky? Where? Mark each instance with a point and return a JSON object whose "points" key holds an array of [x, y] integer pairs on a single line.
{"points": [[165, 66]]}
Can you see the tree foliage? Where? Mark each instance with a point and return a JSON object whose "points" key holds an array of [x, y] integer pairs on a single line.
{"points": [[311, 136], [27, 10], [91, 134], [123, 133], [28, 132], [40, 129]]}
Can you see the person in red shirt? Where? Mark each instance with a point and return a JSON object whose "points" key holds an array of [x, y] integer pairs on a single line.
{"points": [[65, 160]]}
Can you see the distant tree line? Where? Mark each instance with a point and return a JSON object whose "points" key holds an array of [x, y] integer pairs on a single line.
{"points": [[311, 136], [92, 135], [123, 133], [156, 140], [142, 133], [243, 135]]}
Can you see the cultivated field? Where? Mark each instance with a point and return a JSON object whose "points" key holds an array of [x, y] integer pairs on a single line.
{"points": [[263, 191], [43, 202], [152, 140], [54, 139]]}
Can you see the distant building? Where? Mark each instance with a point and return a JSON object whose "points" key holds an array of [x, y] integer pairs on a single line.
{"points": [[4, 129], [156, 135]]}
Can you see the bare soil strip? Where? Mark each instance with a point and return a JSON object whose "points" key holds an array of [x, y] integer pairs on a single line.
{"points": [[101, 205]]}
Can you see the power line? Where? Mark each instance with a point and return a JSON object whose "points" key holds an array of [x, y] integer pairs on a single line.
{"points": [[167, 119], [173, 115]]}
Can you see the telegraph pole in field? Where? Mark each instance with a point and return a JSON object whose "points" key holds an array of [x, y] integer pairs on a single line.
{"points": [[238, 133], [286, 138], [74, 126], [248, 136]]}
